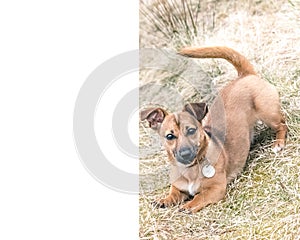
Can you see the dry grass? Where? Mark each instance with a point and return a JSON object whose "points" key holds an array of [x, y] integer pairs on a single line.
{"points": [[264, 201]]}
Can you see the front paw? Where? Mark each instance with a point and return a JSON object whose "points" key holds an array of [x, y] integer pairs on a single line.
{"points": [[188, 208], [164, 202]]}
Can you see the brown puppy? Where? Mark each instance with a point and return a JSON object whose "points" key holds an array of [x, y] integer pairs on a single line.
{"points": [[209, 149]]}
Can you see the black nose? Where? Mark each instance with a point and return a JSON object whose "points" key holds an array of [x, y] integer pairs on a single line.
{"points": [[185, 155], [185, 152]]}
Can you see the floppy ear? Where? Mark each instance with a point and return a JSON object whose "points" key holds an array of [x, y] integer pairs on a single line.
{"points": [[155, 116], [198, 110]]}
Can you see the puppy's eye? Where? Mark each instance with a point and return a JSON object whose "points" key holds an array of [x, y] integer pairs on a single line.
{"points": [[170, 137], [191, 131]]}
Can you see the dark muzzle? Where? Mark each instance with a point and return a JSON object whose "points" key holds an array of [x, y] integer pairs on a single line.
{"points": [[185, 155]]}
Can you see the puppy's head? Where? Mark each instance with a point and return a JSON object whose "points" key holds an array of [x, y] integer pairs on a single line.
{"points": [[182, 133]]}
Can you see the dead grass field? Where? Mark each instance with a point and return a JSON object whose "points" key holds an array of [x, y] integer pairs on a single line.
{"points": [[264, 201]]}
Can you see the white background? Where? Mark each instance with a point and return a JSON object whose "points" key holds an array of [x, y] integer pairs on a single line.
{"points": [[109, 101], [47, 50]]}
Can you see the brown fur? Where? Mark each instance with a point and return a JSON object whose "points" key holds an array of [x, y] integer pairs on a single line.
{"points": [[222, 136]]}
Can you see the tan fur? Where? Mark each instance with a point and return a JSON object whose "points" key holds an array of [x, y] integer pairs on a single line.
{"points": [[222, 137], [241, 64]]}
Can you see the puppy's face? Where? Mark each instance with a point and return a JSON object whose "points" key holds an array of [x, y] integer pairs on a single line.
{"points": [[181, 132]]}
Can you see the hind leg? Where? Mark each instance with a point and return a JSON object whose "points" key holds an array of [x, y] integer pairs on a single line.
{"points": [[281, 130], [268, 110]]}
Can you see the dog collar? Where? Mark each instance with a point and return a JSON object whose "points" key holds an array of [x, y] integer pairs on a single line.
{"points": [[207, 132]]}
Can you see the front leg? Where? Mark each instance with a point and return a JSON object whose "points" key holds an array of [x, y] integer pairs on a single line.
{"points": [[175, 197], [208, 195]]}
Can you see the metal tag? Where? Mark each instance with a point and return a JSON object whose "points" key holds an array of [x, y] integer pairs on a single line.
{"points": [[208, 171]]}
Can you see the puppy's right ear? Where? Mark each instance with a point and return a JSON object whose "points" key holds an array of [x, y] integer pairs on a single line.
{"points": [[154, 116]]}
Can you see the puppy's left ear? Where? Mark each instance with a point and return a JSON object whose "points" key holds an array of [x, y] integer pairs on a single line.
{"points": [[198, 110]]}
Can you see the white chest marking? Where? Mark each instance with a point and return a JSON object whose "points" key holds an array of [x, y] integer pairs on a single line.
{"points": [[191, 189]]}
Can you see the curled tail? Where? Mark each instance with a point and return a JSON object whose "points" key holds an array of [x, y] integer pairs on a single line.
{"points": [[241, 64]]}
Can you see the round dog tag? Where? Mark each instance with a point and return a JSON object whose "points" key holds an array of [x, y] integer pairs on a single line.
{"points": [[208, 171]]}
